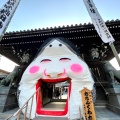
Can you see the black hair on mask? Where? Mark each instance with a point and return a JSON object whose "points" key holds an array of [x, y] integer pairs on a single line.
{"points": [[64, 41]]}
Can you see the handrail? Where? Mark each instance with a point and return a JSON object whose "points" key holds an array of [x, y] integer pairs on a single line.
{"points": [[25, 106]]}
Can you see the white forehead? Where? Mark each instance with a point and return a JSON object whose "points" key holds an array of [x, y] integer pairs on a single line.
{"points": [[56, 48]]}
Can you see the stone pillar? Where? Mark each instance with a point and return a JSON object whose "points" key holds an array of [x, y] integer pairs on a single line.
{"points": [[8, 98], [114, 98]]}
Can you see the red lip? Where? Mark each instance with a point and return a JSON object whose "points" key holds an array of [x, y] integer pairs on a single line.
{"points": [[55, 80], [39, 105]]}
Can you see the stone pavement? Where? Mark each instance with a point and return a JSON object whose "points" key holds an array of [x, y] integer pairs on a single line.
{"points": [[7, 114], [102, 113]]}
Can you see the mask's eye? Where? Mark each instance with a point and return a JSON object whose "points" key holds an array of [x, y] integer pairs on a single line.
{"points": [[45, 60], [64, 59]]}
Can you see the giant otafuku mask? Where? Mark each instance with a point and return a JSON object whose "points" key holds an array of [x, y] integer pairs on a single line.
{"points": [[57, 60]]}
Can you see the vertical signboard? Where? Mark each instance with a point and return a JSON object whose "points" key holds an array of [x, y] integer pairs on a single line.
{"points": [[88, 105]]}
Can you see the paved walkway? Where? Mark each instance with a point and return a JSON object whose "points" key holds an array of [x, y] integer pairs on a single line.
{"points": [[7, 114], [102, 113]]}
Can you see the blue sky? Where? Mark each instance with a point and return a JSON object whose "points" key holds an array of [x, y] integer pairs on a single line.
{"points": [[32, 14]]}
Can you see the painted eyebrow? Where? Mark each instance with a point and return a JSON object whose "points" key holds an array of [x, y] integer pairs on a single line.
{"points": [[45, 60], [65, 59]]}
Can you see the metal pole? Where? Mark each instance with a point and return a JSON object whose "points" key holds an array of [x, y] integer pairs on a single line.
{"points": [[115, 53]]}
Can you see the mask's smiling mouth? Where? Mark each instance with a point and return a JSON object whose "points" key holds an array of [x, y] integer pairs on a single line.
{"points": [[39, 102]]}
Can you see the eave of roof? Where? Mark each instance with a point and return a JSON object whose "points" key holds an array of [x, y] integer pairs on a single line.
{"points": [[67, 27]]}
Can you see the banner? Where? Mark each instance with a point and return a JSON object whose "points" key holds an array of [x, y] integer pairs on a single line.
{"points": [[6, 13], [98, 22]]}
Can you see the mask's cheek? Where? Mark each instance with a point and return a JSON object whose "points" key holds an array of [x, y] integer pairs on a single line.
{"points": [[32, 74], [34, 69], [75, 71], [76, 68]]}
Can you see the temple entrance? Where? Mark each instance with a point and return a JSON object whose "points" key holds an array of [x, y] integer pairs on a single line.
{"points": [[60, 90], [56, 96]]}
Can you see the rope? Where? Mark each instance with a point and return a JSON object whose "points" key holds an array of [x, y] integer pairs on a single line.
{"points": [[106, 92]]}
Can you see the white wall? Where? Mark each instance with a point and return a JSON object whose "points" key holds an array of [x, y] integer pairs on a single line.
{"points": [[6, 64], [115, 63]]}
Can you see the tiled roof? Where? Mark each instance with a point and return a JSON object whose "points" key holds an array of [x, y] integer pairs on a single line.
{"points": [[61, 27]]}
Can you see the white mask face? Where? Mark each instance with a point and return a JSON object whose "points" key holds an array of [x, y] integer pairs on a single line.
{"points": [[57, 62]]}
